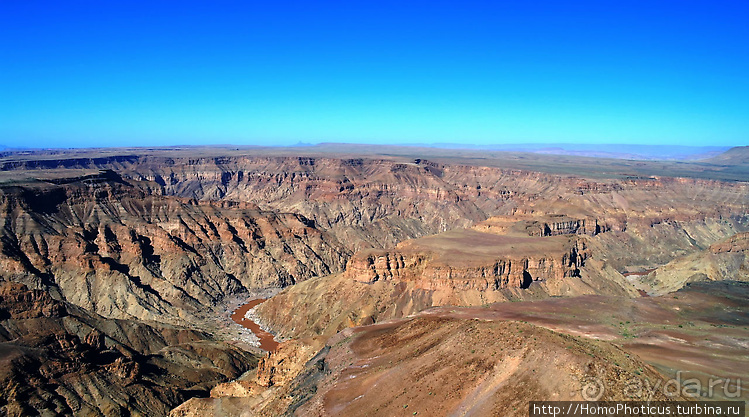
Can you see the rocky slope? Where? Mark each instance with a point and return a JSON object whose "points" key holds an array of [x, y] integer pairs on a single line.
{"points": [[120, 249], [453, 268], [439, 366], [498, 260], [147, 248], [58, 359], [376, 202], [493, 360], [364, 240], [366, 203], [725, 260]]}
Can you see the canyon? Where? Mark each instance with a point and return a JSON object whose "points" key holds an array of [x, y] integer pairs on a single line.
{"points": [[391, 270]]}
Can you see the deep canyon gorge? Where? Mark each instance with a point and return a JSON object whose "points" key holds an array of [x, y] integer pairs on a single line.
{"points": [[397, 280]]}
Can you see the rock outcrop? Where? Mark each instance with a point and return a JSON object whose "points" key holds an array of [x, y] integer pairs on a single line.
{"points": [[120, 249], [427, 264], [444, 366], [724, 260], [366, 241], [737, 243], [58, 359], [497, 260], [261, 392], [454, 268]]}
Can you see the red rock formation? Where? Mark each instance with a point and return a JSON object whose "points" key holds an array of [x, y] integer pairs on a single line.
{"points": [[503, 271]]}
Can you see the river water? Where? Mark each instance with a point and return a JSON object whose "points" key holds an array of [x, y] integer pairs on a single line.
{"points": [[267, 342]]}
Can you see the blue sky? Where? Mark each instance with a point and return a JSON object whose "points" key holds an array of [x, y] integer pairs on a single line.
{"points": [[116, 73]]}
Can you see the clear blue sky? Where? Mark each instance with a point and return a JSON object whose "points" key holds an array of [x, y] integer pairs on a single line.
{"points": [[114, 73]]}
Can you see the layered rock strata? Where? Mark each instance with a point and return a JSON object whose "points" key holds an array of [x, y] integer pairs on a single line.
{"points": [[118, 249], [58, 359]]}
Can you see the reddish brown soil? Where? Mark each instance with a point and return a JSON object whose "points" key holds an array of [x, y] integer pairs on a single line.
{"points": [[447, 366], [700, 331], [267, 342]]}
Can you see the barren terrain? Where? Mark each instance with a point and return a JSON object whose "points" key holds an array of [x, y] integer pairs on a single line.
{"points": [[408, 280]]}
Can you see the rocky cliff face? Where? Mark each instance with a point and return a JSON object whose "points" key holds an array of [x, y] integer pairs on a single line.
{"points": [[118, 249], [433, 271], [510, 257], [378, 203], [724, 260], [370, 202], [364, 240], [364, 202], [367, 203], [502, 272], [262, 392], [189, 231], [59, 359]]}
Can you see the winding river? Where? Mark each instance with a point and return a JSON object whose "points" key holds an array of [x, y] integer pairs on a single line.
{"points": [[267, 342]]}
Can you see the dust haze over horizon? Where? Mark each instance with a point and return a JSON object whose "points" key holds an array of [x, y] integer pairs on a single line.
{"points": [[442, 74]]}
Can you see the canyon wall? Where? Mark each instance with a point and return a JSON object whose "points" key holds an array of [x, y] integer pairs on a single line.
{"points": [[369, 202], [168, 237], [123, 251], [59, 359], [156, 243], [724, 260]]}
